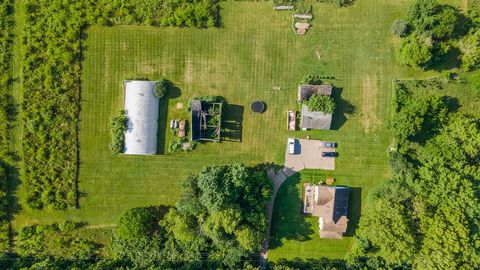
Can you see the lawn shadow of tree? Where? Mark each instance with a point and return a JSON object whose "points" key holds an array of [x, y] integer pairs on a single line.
{"points": [[232, 123], [288, 220], [447, 61], [343, 108], [173, 92], [354, 210]]}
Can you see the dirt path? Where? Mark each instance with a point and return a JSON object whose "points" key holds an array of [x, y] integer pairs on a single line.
{"points": [[369, 118], [464, 6]]}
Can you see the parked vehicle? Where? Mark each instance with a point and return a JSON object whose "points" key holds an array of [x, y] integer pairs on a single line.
{"points": [[181, 128], [328, 144], [291, 146], [329, 154]]}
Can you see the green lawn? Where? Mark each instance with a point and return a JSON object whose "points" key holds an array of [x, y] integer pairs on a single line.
{"points": [[239, 61], [254, 55], [356, 47]]}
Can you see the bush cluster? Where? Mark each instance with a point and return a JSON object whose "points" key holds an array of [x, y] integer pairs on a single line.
{"points": [[432, 30], [118, 126], [51, 81], [6, 21], [320, 103], [60, 241], [161, 88], [178, 144]]}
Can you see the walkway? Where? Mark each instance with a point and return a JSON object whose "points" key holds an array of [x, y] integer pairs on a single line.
{"points": [[277, 179]]}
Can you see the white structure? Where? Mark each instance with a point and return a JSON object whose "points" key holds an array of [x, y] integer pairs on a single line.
{"points": [[142, 110]]}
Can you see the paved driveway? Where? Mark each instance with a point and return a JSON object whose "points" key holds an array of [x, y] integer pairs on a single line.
{"points": [[308, 155]]}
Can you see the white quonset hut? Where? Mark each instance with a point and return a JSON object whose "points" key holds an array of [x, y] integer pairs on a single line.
{"points": [[142, 110]]}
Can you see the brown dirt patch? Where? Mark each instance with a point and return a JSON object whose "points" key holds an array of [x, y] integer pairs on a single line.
{"points": [[464, 6], [188, 70], [368, 115]]}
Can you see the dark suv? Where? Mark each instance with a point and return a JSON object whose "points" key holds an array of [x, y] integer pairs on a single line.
{"points": [[329, 154]]}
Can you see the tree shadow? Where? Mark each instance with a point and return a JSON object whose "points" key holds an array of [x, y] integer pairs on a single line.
{"points": [[232, 123], [447, 61], [354, 210], [158, 212], [13, 182], [173, 92], [343, 109], [288, 220]]}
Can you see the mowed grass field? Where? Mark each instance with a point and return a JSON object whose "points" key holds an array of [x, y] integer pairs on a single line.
{"points": [[357, 48], [240, 61], [254, 55]]}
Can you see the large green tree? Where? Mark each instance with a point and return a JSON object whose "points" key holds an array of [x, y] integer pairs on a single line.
{"points": [[221, 212]]}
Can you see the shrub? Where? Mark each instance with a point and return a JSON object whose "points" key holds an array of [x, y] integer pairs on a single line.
{"points": [[475, 81], [399, 28], [415, 51], [312, 79], [470, 47], [161, 88], [135, 223], [36, 241], [178, 144], [342, 3], [118, 126], [318, 102]]}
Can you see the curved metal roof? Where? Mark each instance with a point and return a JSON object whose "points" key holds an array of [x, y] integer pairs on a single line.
{"points": [[142, 110]]}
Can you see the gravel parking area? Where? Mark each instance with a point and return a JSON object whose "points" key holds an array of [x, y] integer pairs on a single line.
{"points": [[308, 155]]}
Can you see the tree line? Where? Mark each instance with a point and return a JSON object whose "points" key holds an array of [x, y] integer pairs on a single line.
{"points": [[431, 31], [6, 115], [51, 67]]}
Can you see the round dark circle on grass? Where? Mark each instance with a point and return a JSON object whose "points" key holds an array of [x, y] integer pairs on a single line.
{"points": [[257, 106]]}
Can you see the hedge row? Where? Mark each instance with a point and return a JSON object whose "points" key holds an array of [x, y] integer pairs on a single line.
{"points": [[51, 81], [6, 20]]}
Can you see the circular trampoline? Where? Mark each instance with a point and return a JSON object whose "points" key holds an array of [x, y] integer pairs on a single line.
{"points": [[257, 106]]}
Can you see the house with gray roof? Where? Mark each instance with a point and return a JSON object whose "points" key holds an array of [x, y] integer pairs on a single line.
{"points": [[330, 205], [314, 119]]}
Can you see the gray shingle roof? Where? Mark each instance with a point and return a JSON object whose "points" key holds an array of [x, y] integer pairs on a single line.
{"points": [[315, 120]]}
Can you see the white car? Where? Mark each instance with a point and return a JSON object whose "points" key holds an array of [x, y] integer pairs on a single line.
{"points": [[291, 146]]}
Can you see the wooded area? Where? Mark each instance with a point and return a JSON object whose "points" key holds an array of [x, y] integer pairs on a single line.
{"points": [[6, 114]]}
